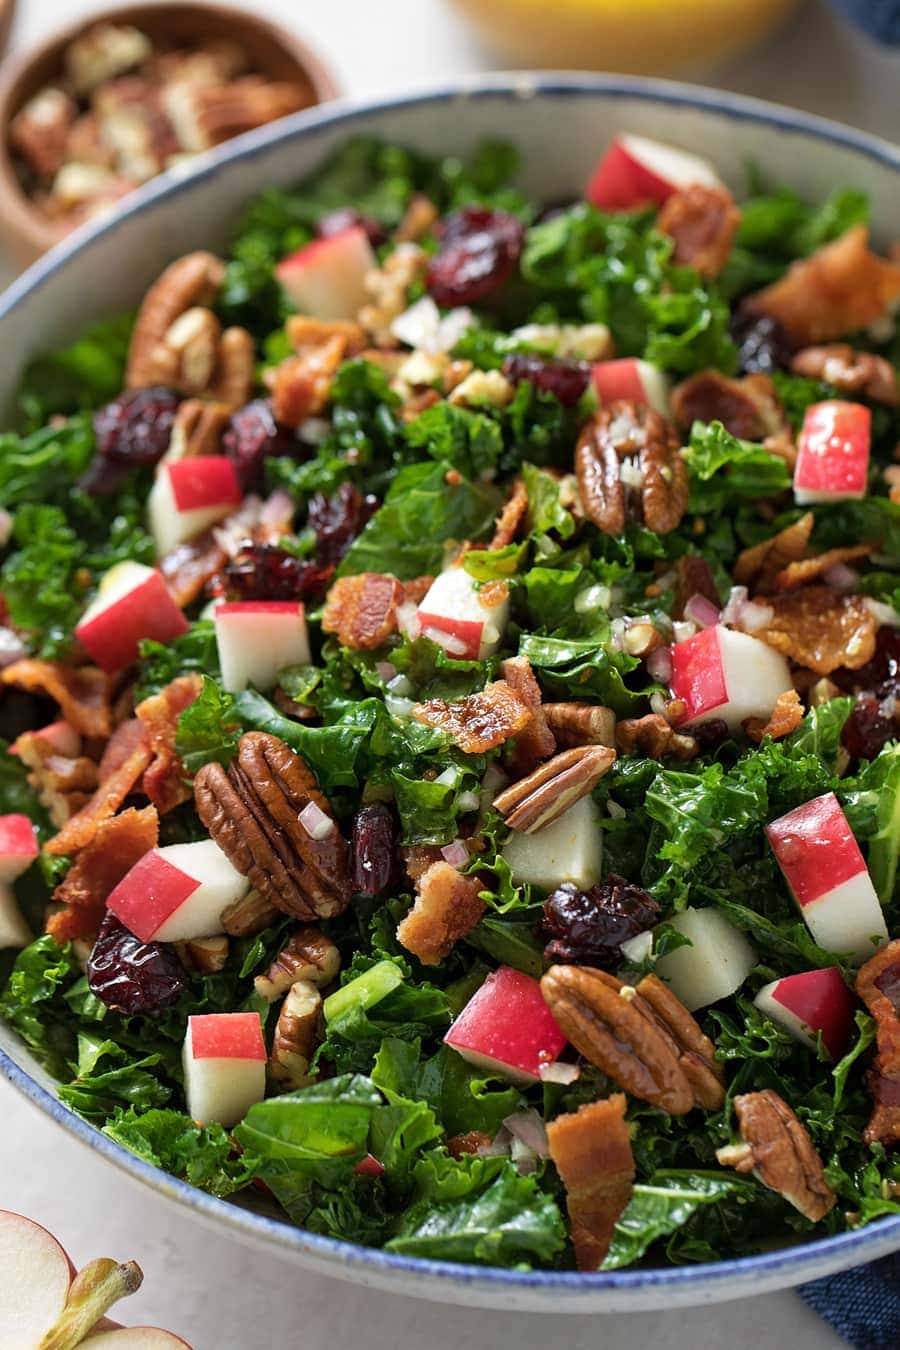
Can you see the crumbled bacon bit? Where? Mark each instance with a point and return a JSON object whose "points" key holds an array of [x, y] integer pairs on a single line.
{"points": [[804, 571], [759, 565], [591, 1148], [821, 630], [508, 522], [188, 568], [748, 408], [118, 844], [447, 907], [850, 370], [535, 741], [122, 743], [878, 985], [63, 785], [362, 610], [78, 832], [419, 858], [786, 717], [164, 777], [702, 222], [654, 737], [839, 289], [82, 693], [480, 722]]}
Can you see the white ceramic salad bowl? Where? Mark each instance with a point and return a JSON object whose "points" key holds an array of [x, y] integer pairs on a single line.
{"points": [[559, 123]]}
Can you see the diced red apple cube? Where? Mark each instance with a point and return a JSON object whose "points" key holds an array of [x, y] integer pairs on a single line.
{"points": [[18, 846], [716, 963], [636, 170], [326, 279], [813, 1002], [629, 378], [188, 496], [178, 892], [570, 848], [133, 602], [833, 453], [827, 876], [257, 639], [59, 736], [14, 931], [720, 673], [455, 614], [224, 1066], [506, 1028]]}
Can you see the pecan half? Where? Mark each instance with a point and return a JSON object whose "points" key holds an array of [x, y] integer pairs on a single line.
{"points": [[821, 630], [628, 442], [206, 955], [581, 723], [654, 738], [191, 281], [362, 610], [780, 1153], [252, 812], [878, 985], [850, 370], [234, 376], [702, 222], [591, 1150], [759, 565], [696, 1052], [481, 721], [447, 907], [249, 915], [786, 717], [296, 1035], [307, 955], [535, 741], [748, 408], [551, 789]]}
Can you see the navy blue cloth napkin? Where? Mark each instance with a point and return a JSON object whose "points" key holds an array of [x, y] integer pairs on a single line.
{"points": [[880, 18], [862, 1305]]}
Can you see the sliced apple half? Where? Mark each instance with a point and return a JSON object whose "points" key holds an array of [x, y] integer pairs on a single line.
{"points": [[133, 602], [35, 1278], [257, 639], [326, 279], [720, 673], [636, 170], [506, 1028], [833, 453], [224, 1062], [178, 892]]}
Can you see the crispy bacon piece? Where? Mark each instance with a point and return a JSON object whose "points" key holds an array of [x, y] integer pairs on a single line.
{"points": [[535, 741], [78, 831], [821, 630], [850, 370], [839, 289], [702, 222], [82, 692], [63, 785], [786, 717], [481, 721], [123, 742], [118, 844], [759, 565], [164, 777], [190, 566], [419, 858], [805, 570], [748, 408], [591, 1148], [447, 907], [509, 519], [878, 985], [362, 610]]}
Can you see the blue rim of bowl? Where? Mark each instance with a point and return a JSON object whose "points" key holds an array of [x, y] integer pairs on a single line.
{"points": [[839, 1251]]}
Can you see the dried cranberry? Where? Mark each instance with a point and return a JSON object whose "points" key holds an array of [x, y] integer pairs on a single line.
{"points": [[479, 251], [252, 436], [566, 380], [374, 858], [266, 572], [344, 218], [589, 927], [136, 427], [867, 730], [762, 341], [337, 520], [710, 735], [134, 977]]}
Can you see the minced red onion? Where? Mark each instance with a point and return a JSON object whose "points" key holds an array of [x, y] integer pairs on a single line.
{"points": [[842, 578], [315, 822], [559, 1072], [385, 670], [886, 615], [454, 646], [12, 648], [468, 801], [456, 854], [659, 664], [528, 1128], [744, 613], [737, 598], [701, 611]]}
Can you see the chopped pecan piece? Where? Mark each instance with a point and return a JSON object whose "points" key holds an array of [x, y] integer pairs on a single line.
{"points": [[850, 370], [780, 1153], [654, 738], [702, 222], [301, 385], [759, 565], [786, 717], [389, 287], [805, 570], [189, 282], [198, 429], [510, 518], [82, 693], [252, 812], [480, 722], [878, 985], [249, 915], [581, 723], [447, 908], [624, 442], [591, 1149], [164, 777], [535, 741], [81, 828], [748, 408], [206, 955], [362, 610], [118, 844], [551, 789], [307, 955], [821, 630], [62, 784], [839, 289], [470, 1142], [296, 1035]]}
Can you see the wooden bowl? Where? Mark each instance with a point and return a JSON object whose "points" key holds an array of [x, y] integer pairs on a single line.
{"points": [[273, 51]]}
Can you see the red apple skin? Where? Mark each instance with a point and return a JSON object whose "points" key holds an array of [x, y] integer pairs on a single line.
{"points": [[815, 848], [697, 674], [306, 256], [111, 638], [17, 838], [621, 182], [293, 607], [227, 1036], [149, 894], [203, 480], [618, 379], [821, 999], [467, 630], [508, 1021], [369, 1167], [833, 449]]}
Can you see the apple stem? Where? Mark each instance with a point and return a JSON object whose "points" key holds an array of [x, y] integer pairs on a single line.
{"points": [[94, 1290]]}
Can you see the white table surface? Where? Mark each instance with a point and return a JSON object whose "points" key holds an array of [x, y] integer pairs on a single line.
{"points": [[222, 1296]]}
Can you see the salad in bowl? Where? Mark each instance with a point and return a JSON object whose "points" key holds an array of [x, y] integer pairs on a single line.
{"points": [[450, 668]]}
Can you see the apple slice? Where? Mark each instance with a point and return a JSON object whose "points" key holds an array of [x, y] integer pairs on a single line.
{"points": [[188, 496], [720, 673], [258, 638], [827, 876], [14, 931], [35, 1278], [60, 736], [809, 1003], [224, 1066], [570, 848], [136, 1338], [636, 170], [506, 1028], [133, 602], [178, 892], [716, 963], [18, 846], [326, 279], [833, 453], [630, 378], [462, 619]]}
